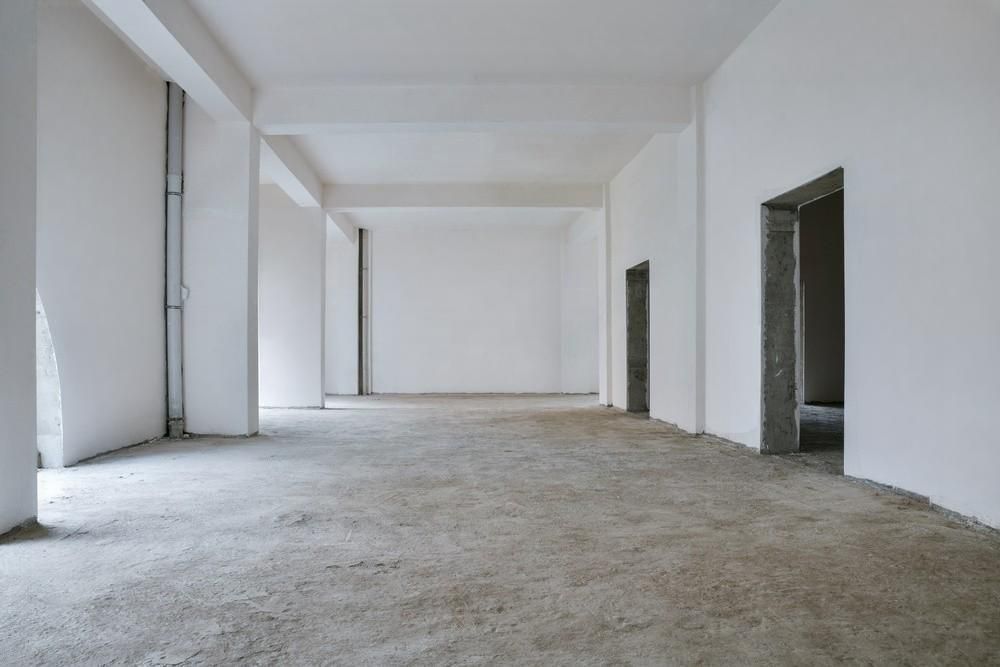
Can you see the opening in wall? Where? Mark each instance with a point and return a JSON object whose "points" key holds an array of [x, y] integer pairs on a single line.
{"points": [[802, 336], [637, 335], [48, 393]]}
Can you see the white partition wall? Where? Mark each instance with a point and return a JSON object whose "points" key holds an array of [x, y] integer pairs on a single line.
{"points": [[649, 222], [904, 96], [101, 142], [18, 79], [221, 174]]}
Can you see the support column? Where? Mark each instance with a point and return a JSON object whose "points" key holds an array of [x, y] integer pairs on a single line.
{"points": [[221, 176], [18, 173], [292, 295], [604, 303]]}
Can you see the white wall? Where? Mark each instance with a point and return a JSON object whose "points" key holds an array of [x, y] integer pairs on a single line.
{"points": [[101, 115], [466, 309], [291, 305], [18, 499], [649, 222], [904, 95], [341, 314], [578, 304], [221, 214]]}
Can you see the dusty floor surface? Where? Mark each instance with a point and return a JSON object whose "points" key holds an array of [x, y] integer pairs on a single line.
{"points": [[484, 531]]}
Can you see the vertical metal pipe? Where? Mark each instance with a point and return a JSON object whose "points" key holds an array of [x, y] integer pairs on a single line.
{"points": [[362, 314], [174, 290]]}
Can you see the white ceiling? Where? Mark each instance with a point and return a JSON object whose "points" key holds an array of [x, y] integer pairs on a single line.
{"points": [[287, 43], [469, 157], [294, 42]]}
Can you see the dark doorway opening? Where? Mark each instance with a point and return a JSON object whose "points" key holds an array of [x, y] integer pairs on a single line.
{"points": [[802, 360], [821, 313], [637, 335]]}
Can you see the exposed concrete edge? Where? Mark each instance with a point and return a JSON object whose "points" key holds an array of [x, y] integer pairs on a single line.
{"points": [[292, 407], [920, 499], [966, 520], [88, 459]]}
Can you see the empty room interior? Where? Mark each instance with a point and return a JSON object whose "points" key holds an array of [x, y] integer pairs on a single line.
{"points": [[499, 332]]}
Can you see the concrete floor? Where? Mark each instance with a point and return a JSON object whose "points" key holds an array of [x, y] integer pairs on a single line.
{"points": [[528, 530]]}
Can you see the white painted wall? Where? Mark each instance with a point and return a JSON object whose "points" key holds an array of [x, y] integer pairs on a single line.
{"points": [[649, 222], [101, 115], [341, 314], [291, 306], [18, 499], [466, 309], [221, 181], [904, 95], [578, 304]]}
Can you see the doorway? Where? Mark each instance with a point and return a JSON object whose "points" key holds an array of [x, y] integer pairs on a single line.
{"points": [[637, 335], [48, 416], [802, 322]]}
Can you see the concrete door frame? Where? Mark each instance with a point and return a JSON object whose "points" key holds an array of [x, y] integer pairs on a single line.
{"points": [[636, 400], [780, 317]]}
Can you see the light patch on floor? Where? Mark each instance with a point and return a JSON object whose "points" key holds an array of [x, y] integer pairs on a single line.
{"points": [[520, 530]]}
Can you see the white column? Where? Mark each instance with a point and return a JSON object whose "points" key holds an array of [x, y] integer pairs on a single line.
{"points": [[221, 175], [604, 302], [18, 83], [292, 295]]}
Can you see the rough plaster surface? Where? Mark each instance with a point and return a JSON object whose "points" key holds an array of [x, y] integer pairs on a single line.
{"points": [[525, 530]]}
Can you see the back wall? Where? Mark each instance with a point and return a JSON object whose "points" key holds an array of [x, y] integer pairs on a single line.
{"points": [[466, 309]]}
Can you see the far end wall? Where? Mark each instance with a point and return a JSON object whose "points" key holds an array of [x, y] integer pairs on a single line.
{"points": [[579, 307], [341, 354], [466, 309]]}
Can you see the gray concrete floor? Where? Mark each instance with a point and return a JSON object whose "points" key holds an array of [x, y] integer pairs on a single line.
{"points": [[485, 530]]}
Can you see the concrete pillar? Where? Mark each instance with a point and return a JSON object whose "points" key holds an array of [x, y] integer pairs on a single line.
{"points": [[221, 175], [779, 422], [18, 131], [604, 357]]}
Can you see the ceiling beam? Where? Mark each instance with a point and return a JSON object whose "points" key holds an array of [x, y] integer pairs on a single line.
{"points": [[288, 168], [172, 38], [356, 197], [550, 108], [343, 225]]}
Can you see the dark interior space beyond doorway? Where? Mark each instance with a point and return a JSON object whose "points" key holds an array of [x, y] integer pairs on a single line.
{"points": [[637, 334], [821, 290]]}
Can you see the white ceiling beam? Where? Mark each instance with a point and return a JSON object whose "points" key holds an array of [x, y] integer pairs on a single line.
{"points": [[172, 38], [288, 168], [550, 108], [343, 225], [356, 197]]}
